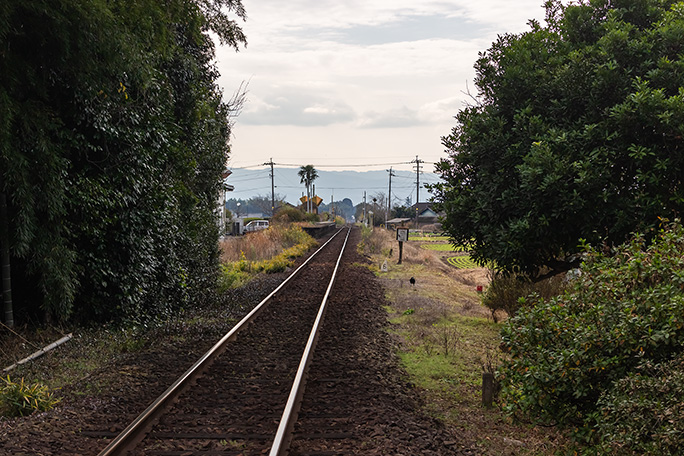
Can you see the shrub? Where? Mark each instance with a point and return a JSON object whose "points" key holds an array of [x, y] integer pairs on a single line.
{"points": [[622, 311], [505, 291], [294, 235], [288, 215], [642, 412], [311, 217], [21, 399]]}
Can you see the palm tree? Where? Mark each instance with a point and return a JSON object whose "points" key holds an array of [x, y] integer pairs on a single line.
{"points": [[308, 175]]}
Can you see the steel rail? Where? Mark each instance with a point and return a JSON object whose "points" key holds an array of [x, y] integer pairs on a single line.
{"points": [[133, 433], [281, 443]]}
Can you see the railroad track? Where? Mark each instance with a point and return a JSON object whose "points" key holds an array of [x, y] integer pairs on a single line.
{"points": [[243, 396]]}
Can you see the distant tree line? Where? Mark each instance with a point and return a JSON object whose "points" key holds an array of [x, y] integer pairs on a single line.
{"points": [[113, 137]]}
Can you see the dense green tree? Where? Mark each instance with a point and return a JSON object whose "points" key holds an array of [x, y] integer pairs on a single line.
{"points": [[576, 133], [113, 137]]}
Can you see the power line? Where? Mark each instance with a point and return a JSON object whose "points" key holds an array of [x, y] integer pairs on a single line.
{"points": [[328, 166]]}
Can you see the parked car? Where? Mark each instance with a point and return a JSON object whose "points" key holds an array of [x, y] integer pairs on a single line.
{"points": [[255, 225]]}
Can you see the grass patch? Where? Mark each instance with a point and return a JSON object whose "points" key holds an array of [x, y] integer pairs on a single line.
{"points": [[18, 398], [436, 238]]}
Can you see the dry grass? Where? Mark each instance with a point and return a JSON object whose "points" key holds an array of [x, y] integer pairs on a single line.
{"points": [[261, 245]]}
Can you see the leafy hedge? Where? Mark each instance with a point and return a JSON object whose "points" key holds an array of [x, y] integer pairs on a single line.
{"points": [[571, 354]]}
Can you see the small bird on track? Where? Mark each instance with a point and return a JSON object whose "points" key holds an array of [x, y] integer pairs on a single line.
{"points": [[413, 281]]}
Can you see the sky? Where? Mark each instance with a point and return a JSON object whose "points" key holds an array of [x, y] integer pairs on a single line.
{"points": [[358, 84]]}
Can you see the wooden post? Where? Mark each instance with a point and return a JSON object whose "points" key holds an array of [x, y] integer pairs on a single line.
{"points": [[401, 251], [402, 235], [487, 389]]}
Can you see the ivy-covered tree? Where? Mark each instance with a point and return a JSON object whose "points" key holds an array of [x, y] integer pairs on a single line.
{"points": [[113, 137], [576, 133]]}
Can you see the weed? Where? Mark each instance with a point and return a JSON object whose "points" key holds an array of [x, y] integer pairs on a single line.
{"points": [[21, 399]]}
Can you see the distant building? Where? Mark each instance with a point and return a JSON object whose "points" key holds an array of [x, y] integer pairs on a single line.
{"points": [[221, 202], [426, 216]]}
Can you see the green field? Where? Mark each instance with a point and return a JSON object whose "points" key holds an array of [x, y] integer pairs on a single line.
{"points": [[443, 247], [462, 262], [429, 238], [439, 247]]}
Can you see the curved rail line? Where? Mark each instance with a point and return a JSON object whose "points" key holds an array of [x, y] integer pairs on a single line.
{"points": [[136, 431]]}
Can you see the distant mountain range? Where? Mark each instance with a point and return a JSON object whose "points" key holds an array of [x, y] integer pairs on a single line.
{"points": [[248, 183]]}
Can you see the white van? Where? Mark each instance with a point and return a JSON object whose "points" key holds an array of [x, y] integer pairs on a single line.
{"points": [[255, 225]]}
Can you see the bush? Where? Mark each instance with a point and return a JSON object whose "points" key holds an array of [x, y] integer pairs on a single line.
{"points": [[505, 291], [642, 413], [288, 215], [21, 399], [622, 311], [311, 217]]}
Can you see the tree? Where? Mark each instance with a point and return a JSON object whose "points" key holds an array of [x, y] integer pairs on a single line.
{"points": [[263, 203], [307, 175], [379, 208], [576, 134], [113, 137], [402, 212]]}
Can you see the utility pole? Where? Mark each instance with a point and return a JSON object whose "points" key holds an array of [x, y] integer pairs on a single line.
{"points": [[272, 187], [389, 197], [364, 207], [417, 161]]}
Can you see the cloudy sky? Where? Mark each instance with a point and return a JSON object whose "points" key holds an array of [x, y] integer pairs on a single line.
{"points": [[353, 83]]}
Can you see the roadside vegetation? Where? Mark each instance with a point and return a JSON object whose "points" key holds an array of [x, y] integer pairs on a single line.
{"points": [[267, 251], [574, 140], [35, 386], [447, 340], [588, 363], [604, 358]]}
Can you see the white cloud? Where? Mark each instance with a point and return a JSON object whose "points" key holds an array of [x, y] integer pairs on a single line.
{"points": [[386, 74], [295, 106], [394, 118]]}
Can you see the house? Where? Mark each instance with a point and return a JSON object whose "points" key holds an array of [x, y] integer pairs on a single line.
{"points": [[221, 202], [426, 215]]}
